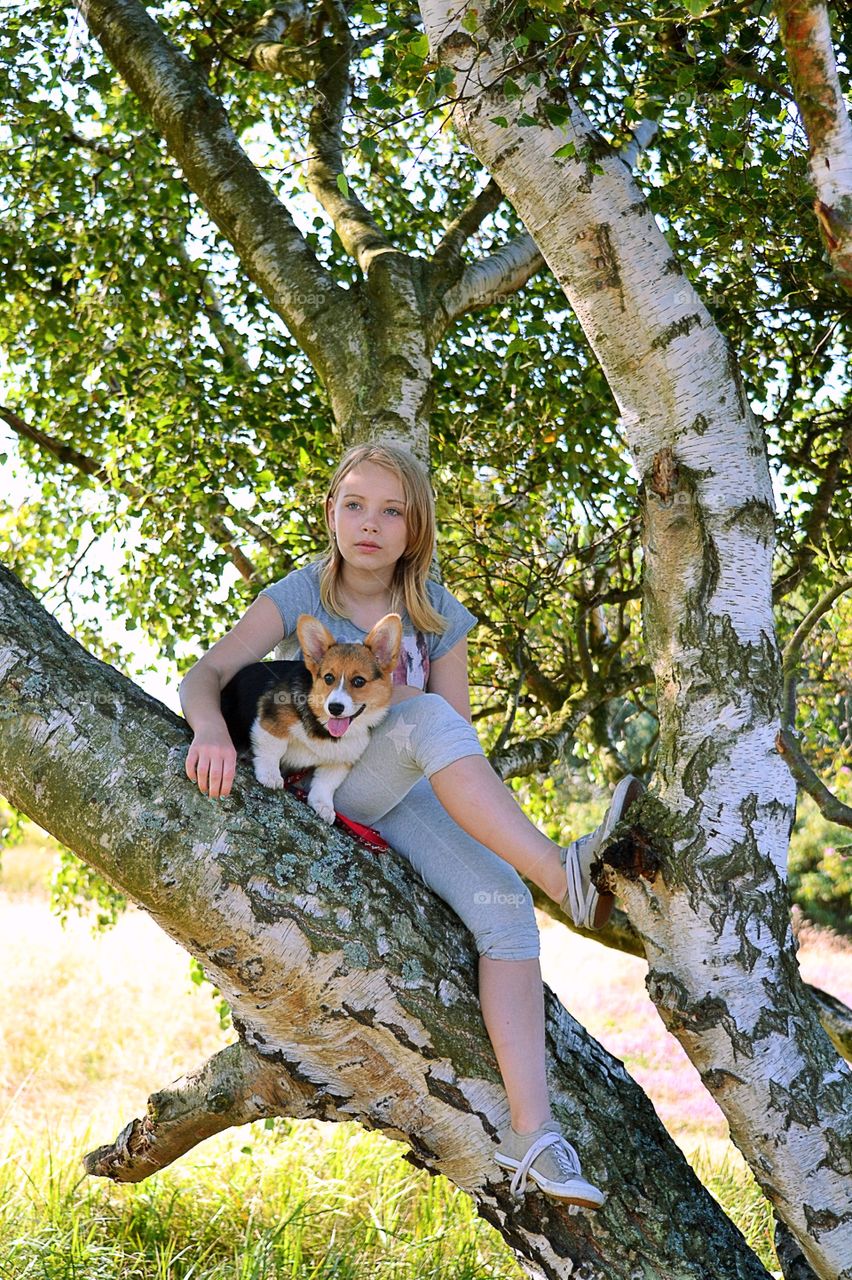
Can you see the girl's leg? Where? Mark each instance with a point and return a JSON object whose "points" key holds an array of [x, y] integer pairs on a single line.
{"points": [[492, 900], [512, 1000], [425, 736], [481, 803]]}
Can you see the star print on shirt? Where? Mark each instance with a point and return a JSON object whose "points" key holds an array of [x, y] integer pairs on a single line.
{"points": [[400, 734]]}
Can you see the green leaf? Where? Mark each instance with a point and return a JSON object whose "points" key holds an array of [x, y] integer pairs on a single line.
{"points": [[537, 30], [342, 184], [557, 113]]}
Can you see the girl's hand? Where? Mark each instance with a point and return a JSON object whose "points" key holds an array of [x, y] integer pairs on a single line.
{"points": [[211, 762]]}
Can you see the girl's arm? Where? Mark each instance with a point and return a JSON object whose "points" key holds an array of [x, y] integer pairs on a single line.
{"points": [[212, 758], [448, 677]]}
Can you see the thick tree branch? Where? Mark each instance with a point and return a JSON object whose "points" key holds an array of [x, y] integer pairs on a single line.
{"points": [[806, 35], [216, 525], [284, 41], [342, 973], [234, 1087], [490, 280], [320, 315], [358, 231]]}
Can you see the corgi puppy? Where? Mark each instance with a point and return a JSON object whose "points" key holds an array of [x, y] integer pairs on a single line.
{"points": [[316, 713]]}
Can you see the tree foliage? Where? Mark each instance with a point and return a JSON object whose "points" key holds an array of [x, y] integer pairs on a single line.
{"points": [[157, 399]]}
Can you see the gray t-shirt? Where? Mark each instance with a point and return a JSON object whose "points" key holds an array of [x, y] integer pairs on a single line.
{"points": [[299, 593]]}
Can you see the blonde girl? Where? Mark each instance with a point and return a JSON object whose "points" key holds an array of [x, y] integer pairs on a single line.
{"points": [[424, 782]]}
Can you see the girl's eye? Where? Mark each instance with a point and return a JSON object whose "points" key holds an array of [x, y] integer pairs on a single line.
{"points": [[394, 511], [352, 504], [328, 677], [358, 681]]}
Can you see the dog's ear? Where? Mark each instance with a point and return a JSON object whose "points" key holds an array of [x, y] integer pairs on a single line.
{"points": [[384, 640], [314, 639]]}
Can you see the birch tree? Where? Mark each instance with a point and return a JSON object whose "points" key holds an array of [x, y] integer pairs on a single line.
{"points": [[716, 925], [180, 337]]}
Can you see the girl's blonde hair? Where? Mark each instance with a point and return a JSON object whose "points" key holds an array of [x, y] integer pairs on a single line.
{"points": [[408, 587]]}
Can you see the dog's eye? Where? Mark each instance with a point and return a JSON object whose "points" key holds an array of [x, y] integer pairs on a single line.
{"points": [[358, 681], [328, 677]]}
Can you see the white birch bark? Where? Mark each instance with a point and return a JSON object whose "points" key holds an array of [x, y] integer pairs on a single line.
{"points": [[716, 926], [806, 35]]}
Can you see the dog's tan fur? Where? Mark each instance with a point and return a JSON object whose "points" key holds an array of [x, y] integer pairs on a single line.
{"points": [[358, 676]]}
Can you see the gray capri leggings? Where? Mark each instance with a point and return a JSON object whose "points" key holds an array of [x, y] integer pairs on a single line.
{"points": [[389, 789]]}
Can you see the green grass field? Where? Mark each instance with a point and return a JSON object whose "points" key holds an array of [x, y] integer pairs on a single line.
{"points": [[93, 1024]]}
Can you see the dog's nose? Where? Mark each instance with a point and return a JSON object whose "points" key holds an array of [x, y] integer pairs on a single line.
{"points": [[336, 708]]}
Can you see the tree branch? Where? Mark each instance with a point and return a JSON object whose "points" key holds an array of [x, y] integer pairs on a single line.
{"points": [[492, 279], [467, 223], [643, 134], [216, 526], [534, 755], [794, 645], [806, 35], [827, 803], [196, 129], [281, 41], [811, 536], [234, 1087], [358, 231], [212, 308]]}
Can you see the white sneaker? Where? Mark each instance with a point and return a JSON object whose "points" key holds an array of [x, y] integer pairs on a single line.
{"points": [[588, 908], [549, 1159]]}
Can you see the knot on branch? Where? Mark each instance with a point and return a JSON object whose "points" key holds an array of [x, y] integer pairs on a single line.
{"points": [[113, 1160], [632, 856], [664, 474]]}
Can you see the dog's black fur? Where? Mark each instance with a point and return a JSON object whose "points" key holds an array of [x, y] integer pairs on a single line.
{"points": [[284, 679]]}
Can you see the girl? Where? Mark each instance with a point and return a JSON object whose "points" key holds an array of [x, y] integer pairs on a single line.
{"points": [[424, 782]]}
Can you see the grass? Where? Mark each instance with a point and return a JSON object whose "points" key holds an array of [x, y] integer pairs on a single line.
{"points": [[311, 1200], [93, 1024]]}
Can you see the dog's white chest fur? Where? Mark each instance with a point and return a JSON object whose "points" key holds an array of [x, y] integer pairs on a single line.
{"points": [[300, 751]]}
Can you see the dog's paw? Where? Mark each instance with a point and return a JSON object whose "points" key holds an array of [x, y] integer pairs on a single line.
{"points": [[322, 806], [269, 777]]}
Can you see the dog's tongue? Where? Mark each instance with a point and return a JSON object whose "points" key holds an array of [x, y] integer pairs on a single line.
{"points": [[338, 725]]}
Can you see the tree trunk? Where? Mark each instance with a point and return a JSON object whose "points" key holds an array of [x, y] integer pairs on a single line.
{"points": [[716, 926], [806, 35], [352, 987]]}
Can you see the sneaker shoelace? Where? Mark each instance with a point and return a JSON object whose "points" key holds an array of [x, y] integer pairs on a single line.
{"points": [[565, 1155], [574, 877]]}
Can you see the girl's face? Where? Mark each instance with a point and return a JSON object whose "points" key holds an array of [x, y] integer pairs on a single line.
{"points": [[368, 516]]}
